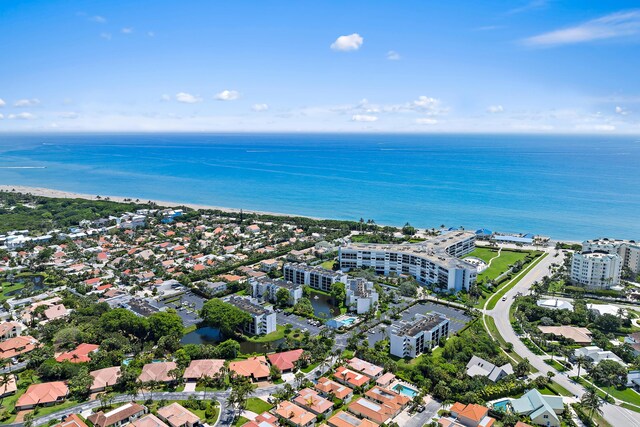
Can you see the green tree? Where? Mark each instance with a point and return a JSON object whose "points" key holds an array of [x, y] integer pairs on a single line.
{"points": [[591, 402], [227, 317], [303, 307], [609, 373], [80, 383], [282, 297], [165, 324]]}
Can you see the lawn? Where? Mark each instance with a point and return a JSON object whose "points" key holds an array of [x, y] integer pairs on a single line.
{"points": [[241, 421], [498, 265], [310, 368], [493, 331], [273, 336], [257, 405], [328, 264], [626, 395], [511, 283], [8, 287], [555, 365]]}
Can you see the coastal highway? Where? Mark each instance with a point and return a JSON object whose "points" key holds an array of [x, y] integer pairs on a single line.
{"points": [[615, 415]]}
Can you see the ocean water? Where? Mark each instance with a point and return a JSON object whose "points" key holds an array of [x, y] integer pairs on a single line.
{"points": [[570, 187]]}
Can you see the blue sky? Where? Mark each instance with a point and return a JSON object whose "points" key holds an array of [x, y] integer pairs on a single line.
{"points": [[404, 66]]}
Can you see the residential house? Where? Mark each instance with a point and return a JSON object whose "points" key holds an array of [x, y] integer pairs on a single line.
{"points": [[45, 394], [286, 360], [364, 367], [103, 378], [345, 419], [388, 397], [16, 346], [376, 412], [9, 388], [294, 415], [148, 420], [177, 415], [328, 387], [312, 401], [581, 336], [479, 366], [541, 409], [255, 368], [634, 341], [351, 378], [158, 371], [72, 420], [11, 330], [596, 354], [79, 355], [119, 416], [386, 379], [472, 415], [203, 368], [265, 419]]}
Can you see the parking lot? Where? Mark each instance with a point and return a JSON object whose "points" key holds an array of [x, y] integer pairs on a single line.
{"points": [[189, 312], [297, 322], [456, 317]]}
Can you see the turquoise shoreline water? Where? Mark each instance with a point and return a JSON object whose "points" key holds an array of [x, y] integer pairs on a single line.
{"points": [[570, 187]]}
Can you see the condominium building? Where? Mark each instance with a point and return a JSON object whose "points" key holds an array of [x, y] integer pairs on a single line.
{"points": [[411, 339], [361, 295], [628, 250], [596, 269], [265, 288], [263, 319], [434, 261], [314, 277]]}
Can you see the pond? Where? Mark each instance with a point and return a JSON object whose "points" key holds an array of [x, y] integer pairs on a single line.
{"points": [[211, 335], [322, 306]]}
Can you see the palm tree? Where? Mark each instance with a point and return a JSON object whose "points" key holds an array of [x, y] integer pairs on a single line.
{"points": [[581, 361], [5, 379], [591, 401]]}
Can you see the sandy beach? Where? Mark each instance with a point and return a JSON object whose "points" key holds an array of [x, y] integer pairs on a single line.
{"points": [[49, 192]]}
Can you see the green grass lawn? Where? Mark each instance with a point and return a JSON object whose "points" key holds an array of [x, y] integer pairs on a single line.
{"points": [[310, 368], [257, 405], [493, 331], [556, 365], [631, 397], [328, 264], [241, 421], [499, 265], [273, 336], [7, 287], [511, 283]]}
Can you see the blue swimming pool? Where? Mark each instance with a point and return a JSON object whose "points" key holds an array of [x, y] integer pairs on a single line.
{"points": [[349, 321], [501, 406], [407, 391]]}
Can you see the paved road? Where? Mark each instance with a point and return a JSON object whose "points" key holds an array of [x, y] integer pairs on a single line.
{"points": [[616, 415], [13, 368]]}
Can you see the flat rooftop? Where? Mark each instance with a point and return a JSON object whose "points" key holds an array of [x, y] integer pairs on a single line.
{"points": [[248, 306], [424, 323]]}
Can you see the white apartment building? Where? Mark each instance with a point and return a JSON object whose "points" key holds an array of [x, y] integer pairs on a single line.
{"points": [[314, 277], [628, 250], [411, 339], [434, 261], [596, 269], [361, 295], [264, 288], [264, 319]]}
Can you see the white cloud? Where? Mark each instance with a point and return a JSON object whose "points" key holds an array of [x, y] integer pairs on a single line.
{"points": [[26, 102], [493, 109], [1, 116], [597, 127], [348, 43], [187, 98], [2, 103], [621, 111], [363, 118], [127, 30], [106, 36], [68, 115], [615, 25], [426, 121], [428, 104], [392, 55], [22, 116], [260, 107], [99, 19], [228, 95]]}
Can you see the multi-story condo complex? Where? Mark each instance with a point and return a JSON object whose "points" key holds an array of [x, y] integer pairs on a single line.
{"points": [[596, 269], [314, 277], [264, 288], [361, 295], [434, 261], [628, 250], [411, 339], [263, 319]]}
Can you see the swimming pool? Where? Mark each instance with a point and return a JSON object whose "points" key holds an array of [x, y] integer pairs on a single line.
{"points": [[502, 405], [407, 391], [349, 321]]}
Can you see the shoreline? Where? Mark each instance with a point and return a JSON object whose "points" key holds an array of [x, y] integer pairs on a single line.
{"points": [[61, 194]]}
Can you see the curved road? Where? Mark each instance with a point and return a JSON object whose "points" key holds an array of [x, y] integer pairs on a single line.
{"points": [[615, 415]]}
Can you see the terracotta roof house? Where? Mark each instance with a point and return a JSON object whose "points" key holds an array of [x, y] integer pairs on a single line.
{"points": [[16, 346], [285, 360], [472, 415], [202, 368], [326, 386], [44, 394], [348, 377], [386, 379], [294, 415], [579, 335], [119, 416], [79, 355], [263, 420], [11, 329], [388, 397], [345, 419], [8, 388], [55, 312], [148, 420], [255, 368], [312, 401], [376, 412], [521, 424], [103, 378], [72, 420], [158, 371], [177, 415], [362, 366]]}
